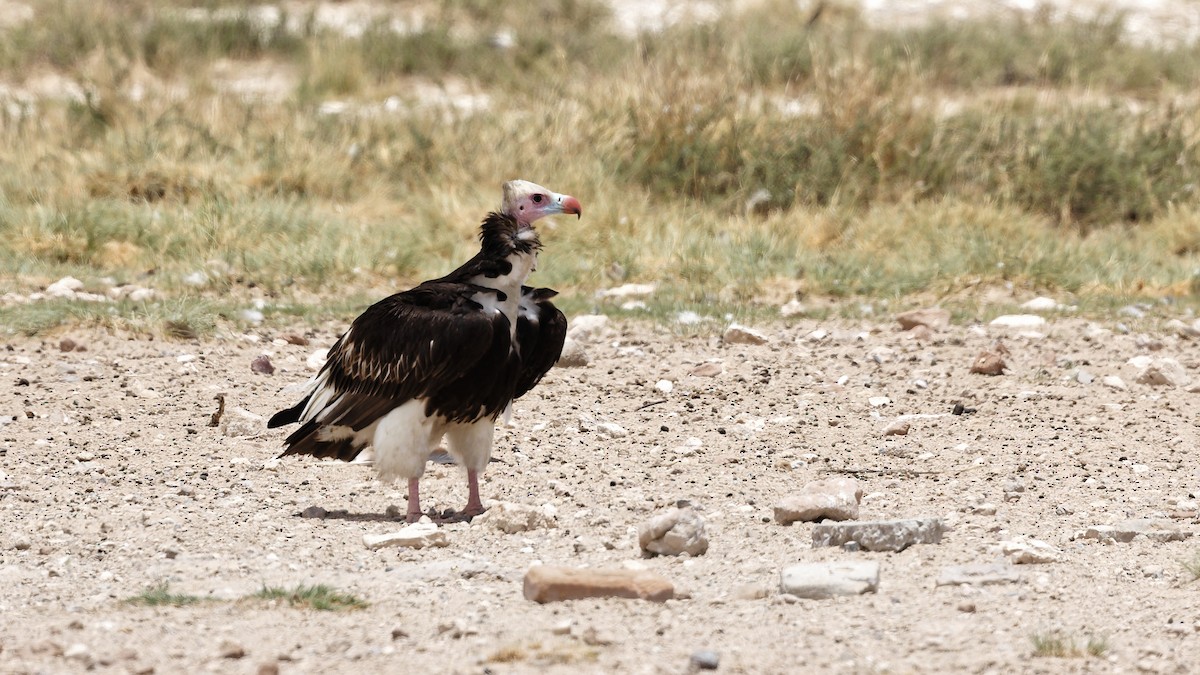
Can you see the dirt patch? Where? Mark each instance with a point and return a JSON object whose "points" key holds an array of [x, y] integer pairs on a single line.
{"points": [[112, 482]]}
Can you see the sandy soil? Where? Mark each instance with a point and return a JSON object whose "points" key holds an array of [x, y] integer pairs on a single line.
{"points": [[112, 481]]}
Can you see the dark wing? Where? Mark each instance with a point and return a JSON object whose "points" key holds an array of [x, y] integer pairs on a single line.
{"points": [[409, 345], [541, 331]]}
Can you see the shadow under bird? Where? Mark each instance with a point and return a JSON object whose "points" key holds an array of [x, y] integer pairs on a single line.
{"points": [[444, 359]]}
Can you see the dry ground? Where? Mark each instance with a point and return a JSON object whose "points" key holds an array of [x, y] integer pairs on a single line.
{"points": [[111, 481]]}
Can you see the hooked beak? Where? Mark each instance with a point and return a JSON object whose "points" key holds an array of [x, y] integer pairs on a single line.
{"points": [[569, 205]]}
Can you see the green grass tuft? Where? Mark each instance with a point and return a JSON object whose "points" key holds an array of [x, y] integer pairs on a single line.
{"points": [[1056, 645], [160, 595], [319, 597]]}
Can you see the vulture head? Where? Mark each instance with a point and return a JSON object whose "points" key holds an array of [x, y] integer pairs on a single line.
{"points": [[527, 202]]}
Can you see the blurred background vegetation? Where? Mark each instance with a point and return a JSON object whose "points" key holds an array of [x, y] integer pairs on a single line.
{"points": [[311, 157]]}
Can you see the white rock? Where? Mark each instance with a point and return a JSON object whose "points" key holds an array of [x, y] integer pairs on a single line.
{"points": [[1018, 321], [242, 422], [665, 386], [1164, 371], [688, 318], [611, 430], [1022, 551], [417, 535], [574, 355], [633, 306], [196, 279], [587, 327], [1114, 382], [64, 288], [251, 316], [738, 334], [141, 294], [877, 401], [316, 359], [818, 581], [792, 308], [1041, 304], [511, 518], [675, 532], [832, 498]]}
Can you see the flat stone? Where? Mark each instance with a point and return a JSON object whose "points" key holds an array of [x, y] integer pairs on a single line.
{"points": [[417, 535], [552, 583], [710, 369], [743, 335], [1018, 321], [1114, 382], [611, 430], [832, 498], [978, 574], [933, 318], [818, 581], [675, 532], [511, 518], [1155, 529], [898, 427], [880, 535], [1040, 304]]}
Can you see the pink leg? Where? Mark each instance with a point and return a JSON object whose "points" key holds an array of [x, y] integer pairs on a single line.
{"points": [[474, 504], [414, 500]]}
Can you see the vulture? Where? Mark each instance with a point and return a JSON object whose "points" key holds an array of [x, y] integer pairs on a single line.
{"points": [[442, 360]]}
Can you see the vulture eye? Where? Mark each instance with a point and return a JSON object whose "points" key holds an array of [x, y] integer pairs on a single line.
{"points": [[537, 199]]}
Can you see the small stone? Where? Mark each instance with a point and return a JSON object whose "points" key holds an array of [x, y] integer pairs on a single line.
{"points": [[512, 518], [1018, 321], [818, 581], [880, 535], [78, 652], [1159, 530], [1114, 382], [269, 668], [704, 660], [253, 316], [64, 288], [737, 334], [1084, 377], [665, 386], [879, 401], [932, 318], [296, 339], [710, 369], [398, 633], [1021, 551], [417, 535], [988, 363], [262, 365], [573, 355], [231, 650], [562, 627], [314, 512], [978, 574], [611, 430], [832, 498], [552, 583], [966, 607], [750, 591], [141, 295], [675, 532], [241, 422], [67, 345]]}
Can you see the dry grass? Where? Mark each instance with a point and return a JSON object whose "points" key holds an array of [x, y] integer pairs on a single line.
{"points": [[878, 163]]}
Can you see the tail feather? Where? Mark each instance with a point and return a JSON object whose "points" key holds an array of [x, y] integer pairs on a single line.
{"points": [[289, 416]]}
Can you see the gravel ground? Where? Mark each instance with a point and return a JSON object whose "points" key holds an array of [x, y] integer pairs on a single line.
{"points": [[112, 481]]}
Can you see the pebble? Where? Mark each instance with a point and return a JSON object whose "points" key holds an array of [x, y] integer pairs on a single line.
{"points": [[818, 581], [1021, 551], [65, 287], [314, 512], [988, 363], [978, 574], [743, 335], [231, 650], [1114, 382], [832, 498], [933, 318], [417, 535], [704, 660], [1018, 321], [1084, 377], [241, 422], [78, 652], [880, 535], [710, 369], [262, 365], [675, 532], [512, 518], [552, 583], [268, 668], [68, 345], [665, 386], [611, 430], [897, 427], [253, 316], [879, 401]]}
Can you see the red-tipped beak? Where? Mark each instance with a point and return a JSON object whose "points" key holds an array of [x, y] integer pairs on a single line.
{"points": [[571, 205]]}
